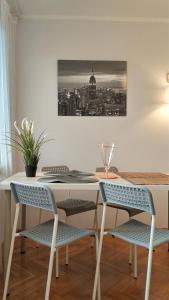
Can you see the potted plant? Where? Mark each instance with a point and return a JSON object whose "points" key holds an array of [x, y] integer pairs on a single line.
{"points": [[24, 141]]}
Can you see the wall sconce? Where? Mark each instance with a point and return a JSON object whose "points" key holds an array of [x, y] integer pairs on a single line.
{"points": [[167, 77], [167, 89]]}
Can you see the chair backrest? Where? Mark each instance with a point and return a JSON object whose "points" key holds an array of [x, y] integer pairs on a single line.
{"points": [[127, 195], [112, 169], [37, 196], [58, 169]]}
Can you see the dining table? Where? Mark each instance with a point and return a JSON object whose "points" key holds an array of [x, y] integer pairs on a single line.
{"points": [[154, 181]]}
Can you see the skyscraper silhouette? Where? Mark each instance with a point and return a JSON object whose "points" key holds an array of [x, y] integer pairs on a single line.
{"points": [[92, 86]]}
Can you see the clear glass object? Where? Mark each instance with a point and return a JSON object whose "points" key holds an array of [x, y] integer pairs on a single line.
{"points": [[106, 151]]}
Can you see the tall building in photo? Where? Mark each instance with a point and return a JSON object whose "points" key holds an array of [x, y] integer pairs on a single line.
{"points": [[92, 86]]}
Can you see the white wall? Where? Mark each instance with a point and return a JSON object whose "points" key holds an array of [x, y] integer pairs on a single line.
{"points": [[141, 136]]}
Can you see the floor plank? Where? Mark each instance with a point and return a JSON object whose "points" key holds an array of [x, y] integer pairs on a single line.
{"points": [[29, 272]]}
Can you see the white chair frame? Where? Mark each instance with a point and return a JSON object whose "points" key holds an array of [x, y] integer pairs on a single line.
{"points": [[51, 258], [95, 222], [150, 255], [52, 252]]}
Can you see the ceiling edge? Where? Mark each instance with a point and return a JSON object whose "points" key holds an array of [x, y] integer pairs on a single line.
{"points": [[94, 18]]}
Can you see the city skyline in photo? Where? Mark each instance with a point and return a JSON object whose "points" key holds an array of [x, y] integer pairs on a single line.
{"points": [[92, 88]]}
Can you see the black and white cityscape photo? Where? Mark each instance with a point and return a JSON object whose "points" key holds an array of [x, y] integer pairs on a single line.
{"points": [[92, 88]]}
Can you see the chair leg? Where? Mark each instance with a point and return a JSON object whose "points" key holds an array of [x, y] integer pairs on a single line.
{"points": [[135, 262], [57, 262], [150, 257], [39, 221], [67, 249], [130, 250], [11, 252], [23, 226], [95, 222], [95, 226], [67, 255], [130, 254], [147, 290], [117, 212], [96, 280], [98, 286], [40, 215], [52, 252]]}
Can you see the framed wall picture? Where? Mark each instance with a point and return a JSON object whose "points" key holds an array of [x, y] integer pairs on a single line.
{"points": [[92, 88]]}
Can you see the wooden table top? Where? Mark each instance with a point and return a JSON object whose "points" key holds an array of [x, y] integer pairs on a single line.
{"points": [[146, 178]]}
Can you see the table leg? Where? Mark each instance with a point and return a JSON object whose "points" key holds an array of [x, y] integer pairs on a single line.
{"points": [[23, 226], [7, 231]]}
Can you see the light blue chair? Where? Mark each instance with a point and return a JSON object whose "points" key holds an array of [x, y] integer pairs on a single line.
{"points": [[134, 232], [131, 213], [70, 206], [53, 234]]}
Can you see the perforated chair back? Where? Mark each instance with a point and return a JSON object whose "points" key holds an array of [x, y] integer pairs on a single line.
{"points": [[112, 169], [36, 196], [58, 169], [127, 195]]}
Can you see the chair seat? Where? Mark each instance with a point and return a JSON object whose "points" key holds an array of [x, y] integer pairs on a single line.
{"points": [[75, 206], [131, 211], [66, 234], [138, 233]]}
